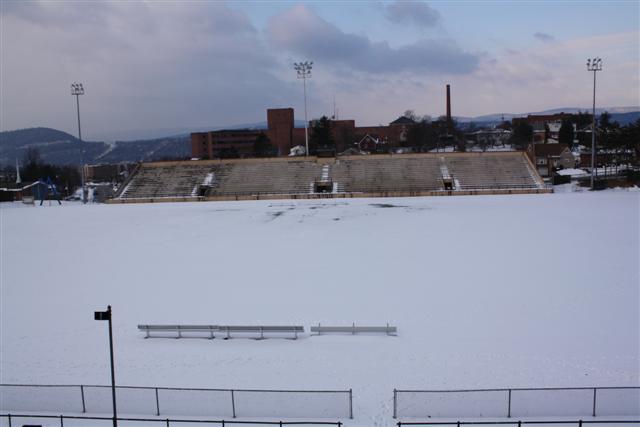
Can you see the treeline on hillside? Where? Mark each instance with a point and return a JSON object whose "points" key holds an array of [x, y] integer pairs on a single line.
{"points": [[60, 148], [22, 137]]}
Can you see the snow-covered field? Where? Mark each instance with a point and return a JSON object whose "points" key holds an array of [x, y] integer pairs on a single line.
{"points": [[486, 291]]}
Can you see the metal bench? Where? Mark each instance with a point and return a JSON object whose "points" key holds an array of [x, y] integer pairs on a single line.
{"points": [[353, 329], [262, 330], [227, 329], [179, 329]]}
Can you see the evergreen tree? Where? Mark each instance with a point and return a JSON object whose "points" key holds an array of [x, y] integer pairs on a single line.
{"points": [[262, 147], [522, 134], [582, 119], [321, 135], [565, 135]]}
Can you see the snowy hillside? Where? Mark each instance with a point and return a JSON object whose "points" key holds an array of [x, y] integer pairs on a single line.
{"points": [[491, 291]]}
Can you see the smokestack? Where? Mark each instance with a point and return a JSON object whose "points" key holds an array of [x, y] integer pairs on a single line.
{"points": [[449, 123]]}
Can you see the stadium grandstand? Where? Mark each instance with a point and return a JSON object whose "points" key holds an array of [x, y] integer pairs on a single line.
{"points": [[397, 175]]}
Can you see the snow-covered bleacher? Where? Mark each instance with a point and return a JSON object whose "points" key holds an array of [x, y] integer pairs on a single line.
{"points": [[410, 174], [371, 174], [173, 180], [487, 171], [269, 177]]}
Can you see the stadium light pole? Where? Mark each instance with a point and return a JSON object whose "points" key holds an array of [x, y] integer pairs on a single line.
{"points": [[77, 90], [106, 315], [304, 72], [595, 65]]}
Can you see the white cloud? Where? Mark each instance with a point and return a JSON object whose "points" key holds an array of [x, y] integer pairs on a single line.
{"points": [[169, 65], [301, 31], [159, 65], [413, 13]]}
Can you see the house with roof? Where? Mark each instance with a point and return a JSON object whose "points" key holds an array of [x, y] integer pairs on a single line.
{"points": [[550, 157]]}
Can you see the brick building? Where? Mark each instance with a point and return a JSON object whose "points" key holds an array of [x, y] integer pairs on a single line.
{"points": [[283, 135], [240, 142]]}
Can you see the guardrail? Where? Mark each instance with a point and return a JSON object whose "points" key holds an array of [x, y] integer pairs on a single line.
{"points": [[168, 421], [178, 401], [448, 403]]}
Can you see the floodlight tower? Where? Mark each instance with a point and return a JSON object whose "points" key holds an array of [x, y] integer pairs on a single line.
{"points": [[595, 65], [304, 72], [77, 90]]}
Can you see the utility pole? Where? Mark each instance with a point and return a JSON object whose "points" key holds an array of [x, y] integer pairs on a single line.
{"points": [[304, 72], [77, 90], [594, 65]]}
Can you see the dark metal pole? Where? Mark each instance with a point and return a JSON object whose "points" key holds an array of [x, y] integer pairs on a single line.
{"points": [[78, 109], [233, 399], [350, 404], [82, 176], [395, 403], [84, 408], [113, 375], [593, 132]]}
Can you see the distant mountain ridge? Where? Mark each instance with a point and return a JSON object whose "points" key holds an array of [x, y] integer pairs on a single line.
{"points": [[61, 148], [147, 134]]}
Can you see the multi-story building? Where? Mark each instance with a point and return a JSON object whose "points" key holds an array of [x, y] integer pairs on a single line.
{"points": [[283, 136]]}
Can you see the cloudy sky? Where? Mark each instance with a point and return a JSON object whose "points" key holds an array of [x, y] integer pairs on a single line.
{"points": [[180, 65]]}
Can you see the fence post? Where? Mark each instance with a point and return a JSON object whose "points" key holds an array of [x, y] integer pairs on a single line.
{"points": [[509, 407], [579, 423], [395, 404], [519, 423], [233, 404], [9, 417], [594, 401], [84, 409], [350, 403], [61, 421], [167, 422], [157, 403]]}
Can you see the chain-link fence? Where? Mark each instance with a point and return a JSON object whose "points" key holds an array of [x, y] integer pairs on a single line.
{"points": [[178, 401], [520, 402], [519, 423], [102, 421]]}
